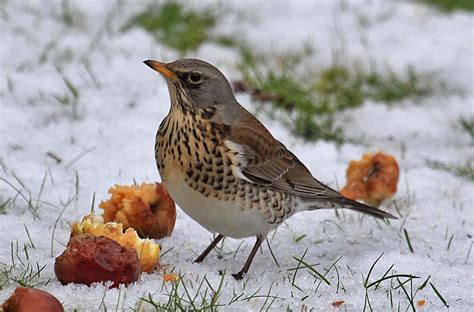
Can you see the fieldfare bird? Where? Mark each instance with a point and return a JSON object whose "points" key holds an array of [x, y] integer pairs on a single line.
{"points": [[224, 168]]}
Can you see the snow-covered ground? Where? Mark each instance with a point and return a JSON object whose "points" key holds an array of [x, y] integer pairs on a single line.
{"points": [[105, 135]]}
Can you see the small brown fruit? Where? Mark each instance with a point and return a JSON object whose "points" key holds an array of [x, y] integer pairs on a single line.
{"points": [[372, 179], [31, 300], [148, 208]]}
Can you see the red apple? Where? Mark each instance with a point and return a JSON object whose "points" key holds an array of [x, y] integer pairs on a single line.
{"points": [[89, 259]]}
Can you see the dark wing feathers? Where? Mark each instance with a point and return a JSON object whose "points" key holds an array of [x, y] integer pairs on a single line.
{"points": [[268, 162]]}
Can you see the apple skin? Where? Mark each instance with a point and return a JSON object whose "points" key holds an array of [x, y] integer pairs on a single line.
{"points": [[89, 259], [31, 300]]}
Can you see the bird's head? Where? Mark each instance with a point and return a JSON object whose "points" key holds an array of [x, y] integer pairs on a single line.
{"points": [[198, 83]]}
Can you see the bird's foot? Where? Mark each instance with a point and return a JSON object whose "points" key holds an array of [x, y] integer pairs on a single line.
{"points": [[199, 259], [239, 276], [209, 249]]}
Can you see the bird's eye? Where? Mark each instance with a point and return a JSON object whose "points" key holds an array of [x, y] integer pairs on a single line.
{"points": [[195, 77]]}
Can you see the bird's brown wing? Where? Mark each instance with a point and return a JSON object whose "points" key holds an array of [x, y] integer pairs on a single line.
{"points": [[268, 162]]}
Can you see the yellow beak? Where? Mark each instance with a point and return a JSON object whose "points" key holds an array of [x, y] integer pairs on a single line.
{"points": [[161, 68]]}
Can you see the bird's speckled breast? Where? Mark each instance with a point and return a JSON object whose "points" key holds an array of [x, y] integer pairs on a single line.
{"points": [[189, 143], [196, 167]]}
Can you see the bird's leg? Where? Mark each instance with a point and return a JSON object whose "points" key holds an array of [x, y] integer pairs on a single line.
{"points": [[209, 248], [240, 275]]}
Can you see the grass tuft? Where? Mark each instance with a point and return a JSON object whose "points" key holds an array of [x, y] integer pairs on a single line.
{"points": [[451, 5], [20, 192], [5, 203], [70, 15], [22, 271], [464, 171], [184, 295], [179, 27], [70, 98], [393, 277], [467, 124], [311, 270], [313, 96]]}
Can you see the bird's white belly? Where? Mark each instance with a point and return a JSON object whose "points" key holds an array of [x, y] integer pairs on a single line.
{"points": [[218, 216]]}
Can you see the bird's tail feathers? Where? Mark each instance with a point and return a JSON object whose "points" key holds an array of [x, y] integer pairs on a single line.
{"points": [[346, 203]]}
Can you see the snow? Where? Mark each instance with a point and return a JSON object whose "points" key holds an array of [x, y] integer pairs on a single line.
{"points": [[110, 140]]}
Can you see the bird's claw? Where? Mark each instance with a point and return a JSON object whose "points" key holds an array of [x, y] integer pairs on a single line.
{"points": [[238, 276]]}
